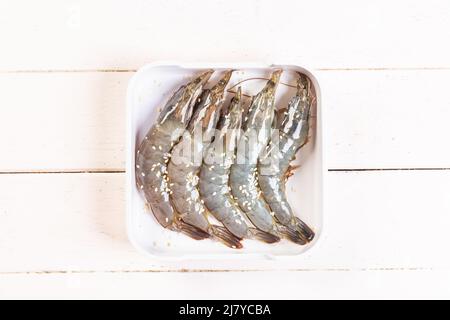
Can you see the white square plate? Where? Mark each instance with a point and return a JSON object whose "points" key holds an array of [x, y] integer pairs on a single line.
{"points": [[148, 91]]}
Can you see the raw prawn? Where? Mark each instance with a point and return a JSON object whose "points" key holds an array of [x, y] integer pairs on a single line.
{"points": [[257, 130], [215, 171], [274, 168], [186, 161], [154, 153]]}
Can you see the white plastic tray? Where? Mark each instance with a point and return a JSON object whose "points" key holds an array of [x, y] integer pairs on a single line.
{"points": [[148, 91]]}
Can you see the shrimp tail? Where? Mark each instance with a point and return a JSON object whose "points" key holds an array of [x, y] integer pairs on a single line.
{"points": [[263, 236], [191, 231], [292, 234], [304, 229], [290, 171], [226, 237]]}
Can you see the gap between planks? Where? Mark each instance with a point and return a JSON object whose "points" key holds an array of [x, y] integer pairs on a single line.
{"points": [[135, 70], [75, 171], [46, 272], [388, 169], [84, 171]]}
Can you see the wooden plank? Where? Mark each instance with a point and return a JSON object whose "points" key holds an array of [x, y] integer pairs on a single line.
{"points": [[386, 119], [319, 34], [76, 121], [432, 284], [75, 222], [53, 122]]}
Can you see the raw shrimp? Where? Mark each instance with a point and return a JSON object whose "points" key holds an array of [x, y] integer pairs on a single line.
{"points": [[257, 131], [274, 167], [186, 161], [154, 153], [214, 175]]}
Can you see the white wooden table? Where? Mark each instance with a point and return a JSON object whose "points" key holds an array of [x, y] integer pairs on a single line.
{"points": [[384, 71]]}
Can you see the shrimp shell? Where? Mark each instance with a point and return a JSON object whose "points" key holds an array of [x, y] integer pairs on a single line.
{"points": [[154, 153], [184, 167], [292, 134], [214, 176]]}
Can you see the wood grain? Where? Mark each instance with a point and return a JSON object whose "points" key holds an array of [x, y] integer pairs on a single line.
{"points": [[386, 119], [123, 34], [383, 68], [230, 285], [61, 121], [76, 121], [75, 222]]}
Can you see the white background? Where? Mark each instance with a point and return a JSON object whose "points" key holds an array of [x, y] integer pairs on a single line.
{"points": [[384, 71]]}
